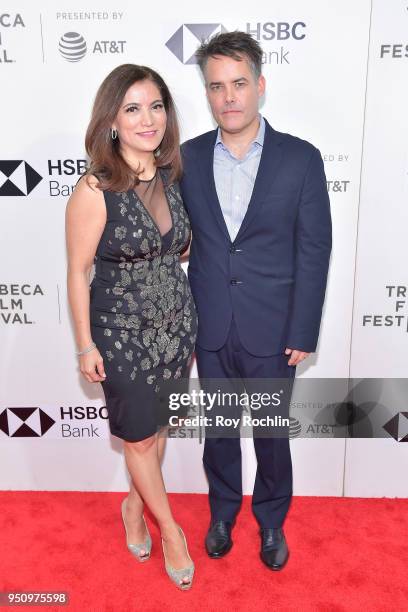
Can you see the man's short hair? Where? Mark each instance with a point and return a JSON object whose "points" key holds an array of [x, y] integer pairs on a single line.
{"points": [[237, 45]]}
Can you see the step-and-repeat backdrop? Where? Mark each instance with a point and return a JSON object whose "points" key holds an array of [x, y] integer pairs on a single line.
{"points": [[336, 75]]}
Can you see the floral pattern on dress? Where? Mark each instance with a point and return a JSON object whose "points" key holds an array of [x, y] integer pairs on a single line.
{"points": [[141, 291]]}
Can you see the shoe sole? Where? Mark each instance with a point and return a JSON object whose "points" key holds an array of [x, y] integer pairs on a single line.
{"points": [[220, 555]]}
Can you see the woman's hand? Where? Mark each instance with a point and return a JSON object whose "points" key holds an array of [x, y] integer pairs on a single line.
{"points": [[91, 366]]}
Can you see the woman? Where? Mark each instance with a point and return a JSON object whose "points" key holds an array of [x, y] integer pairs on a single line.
{"points": [[136, 327]]}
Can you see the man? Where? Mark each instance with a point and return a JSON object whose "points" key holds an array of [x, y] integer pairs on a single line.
{"points": [[259, 209]]}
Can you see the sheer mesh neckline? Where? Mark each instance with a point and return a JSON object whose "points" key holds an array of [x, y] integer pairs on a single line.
{"points": [[152, 195], [149, 180]]}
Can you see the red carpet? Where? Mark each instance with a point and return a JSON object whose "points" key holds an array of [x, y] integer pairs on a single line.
{"points": [[346, 554]]}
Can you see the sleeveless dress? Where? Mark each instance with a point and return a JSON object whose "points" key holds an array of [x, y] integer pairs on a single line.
{"points": [[142, 314]]}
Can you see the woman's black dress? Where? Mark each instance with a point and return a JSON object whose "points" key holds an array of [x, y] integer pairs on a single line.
{"points": [[142, 313]]}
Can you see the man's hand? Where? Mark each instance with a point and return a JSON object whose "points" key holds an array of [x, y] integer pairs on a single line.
{"points": [[295, 356]]}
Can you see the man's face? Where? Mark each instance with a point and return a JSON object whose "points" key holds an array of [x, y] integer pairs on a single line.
{"points": [[233, 92]]}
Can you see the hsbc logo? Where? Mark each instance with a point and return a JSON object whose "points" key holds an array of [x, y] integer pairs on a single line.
{"points": [[25, 422], [281, 30], [397, 427], [183, 44], [17, 178]]}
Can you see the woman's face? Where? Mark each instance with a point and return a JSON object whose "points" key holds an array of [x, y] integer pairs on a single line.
{"points": [[141, 120]]}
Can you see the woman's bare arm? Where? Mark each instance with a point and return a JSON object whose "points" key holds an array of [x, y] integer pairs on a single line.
{"points": [[85, 220]]}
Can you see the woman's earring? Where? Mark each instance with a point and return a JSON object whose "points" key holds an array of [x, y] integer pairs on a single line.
{"points": [[156, 152], [114, 134]]}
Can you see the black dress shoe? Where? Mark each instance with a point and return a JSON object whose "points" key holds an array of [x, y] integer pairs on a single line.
{"points": [[274, 550], [218, 541]]}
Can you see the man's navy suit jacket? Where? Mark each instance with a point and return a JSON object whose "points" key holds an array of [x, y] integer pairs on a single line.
{"points": [[272, 277]]}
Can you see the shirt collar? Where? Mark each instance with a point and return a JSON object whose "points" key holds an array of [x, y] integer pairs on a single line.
{"points": [[259, 138]]}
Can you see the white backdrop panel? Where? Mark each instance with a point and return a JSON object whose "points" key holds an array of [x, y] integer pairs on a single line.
{"points": [[315, 90], [380, 321]]}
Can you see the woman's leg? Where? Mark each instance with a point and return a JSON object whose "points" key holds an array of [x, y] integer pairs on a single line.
{"points": [[135, 505], [161, 444], [142, 459]]}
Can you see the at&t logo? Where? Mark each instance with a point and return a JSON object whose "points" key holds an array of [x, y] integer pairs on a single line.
{"points": [[73, 47]]}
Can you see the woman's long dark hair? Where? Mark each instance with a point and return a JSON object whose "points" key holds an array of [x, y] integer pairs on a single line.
{"points": [[106, 161]]}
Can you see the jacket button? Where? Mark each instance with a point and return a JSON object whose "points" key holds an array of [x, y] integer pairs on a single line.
{"points": [[235, 281]]}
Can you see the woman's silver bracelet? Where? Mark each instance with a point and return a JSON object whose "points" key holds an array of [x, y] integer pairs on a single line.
{"points": [[88, 349]]}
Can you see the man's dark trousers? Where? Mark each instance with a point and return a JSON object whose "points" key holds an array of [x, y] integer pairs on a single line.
{"points": [[222, 456]]}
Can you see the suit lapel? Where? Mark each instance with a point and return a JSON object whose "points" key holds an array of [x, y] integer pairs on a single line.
{"points": [[269, 164], [207, 176]]}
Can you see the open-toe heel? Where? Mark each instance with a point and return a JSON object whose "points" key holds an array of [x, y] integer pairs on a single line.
{"points": [[178, 575], [136, 549]]}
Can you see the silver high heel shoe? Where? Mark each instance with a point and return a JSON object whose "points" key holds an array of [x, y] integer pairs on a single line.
{"points": [[135, 549], [177, 575]]}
